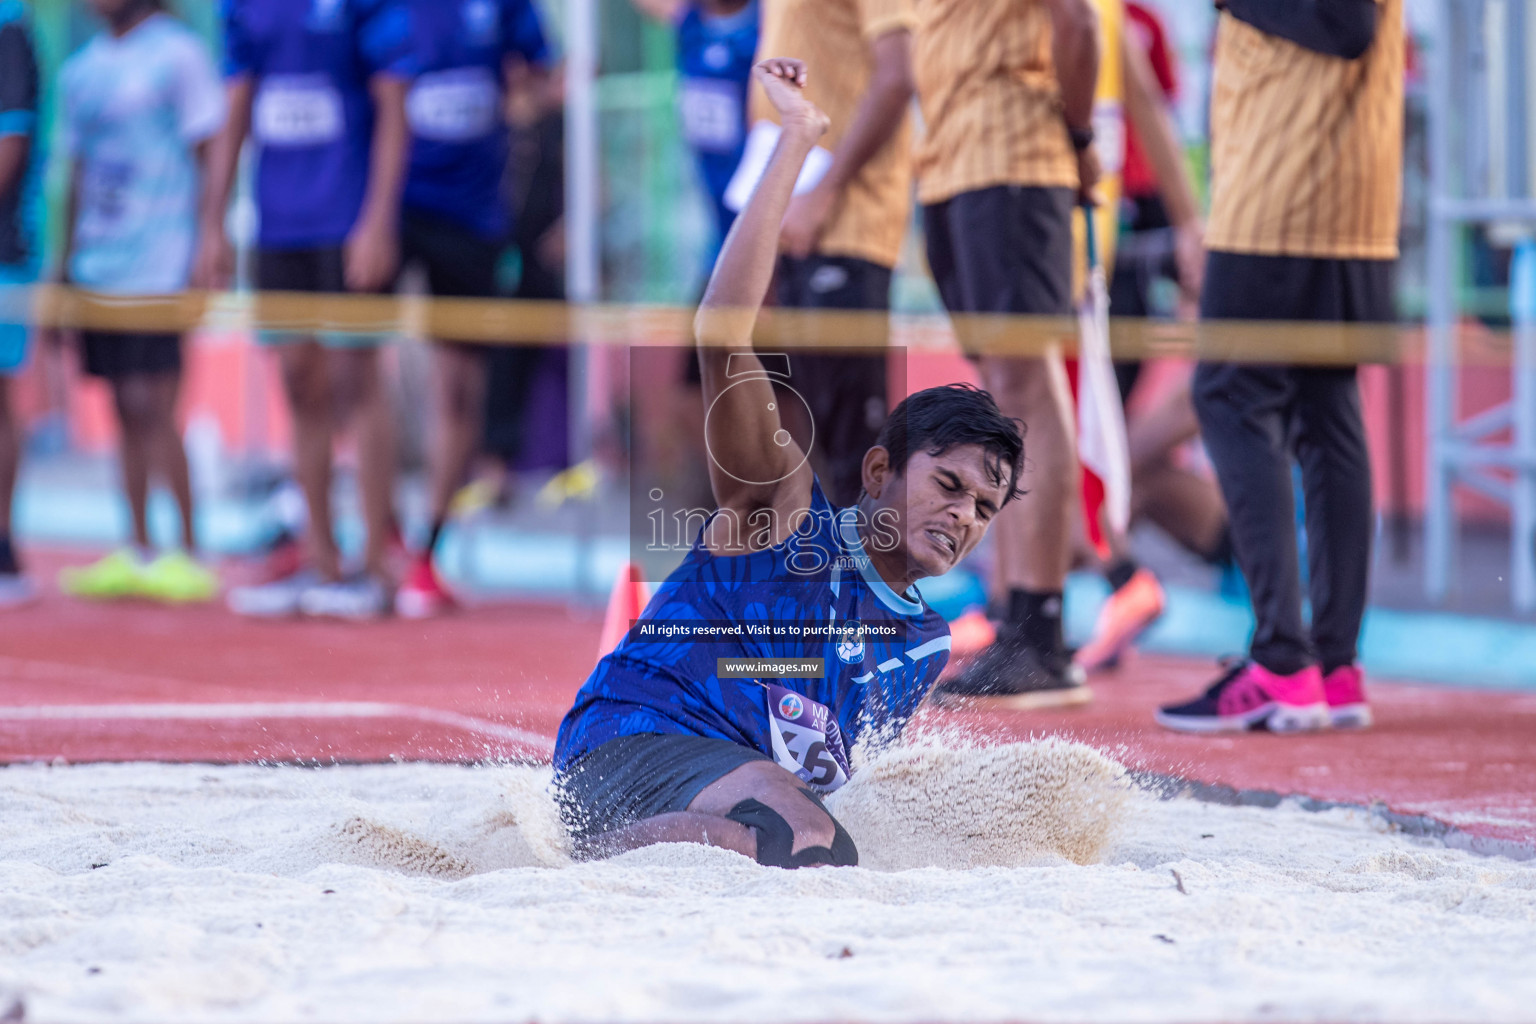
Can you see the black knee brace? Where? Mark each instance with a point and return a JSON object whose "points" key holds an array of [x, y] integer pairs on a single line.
{"points": [[775, 839]]}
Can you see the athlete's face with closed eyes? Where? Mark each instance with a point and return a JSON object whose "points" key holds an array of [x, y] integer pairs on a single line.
{"points": [[938, 508]]}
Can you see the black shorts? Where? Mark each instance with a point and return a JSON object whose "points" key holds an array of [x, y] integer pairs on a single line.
{"points": [[301, 270], [118, 354], [636, 777], [320, 269], [1004, 249], [1242, 286], [458, 262], [833, 282]]}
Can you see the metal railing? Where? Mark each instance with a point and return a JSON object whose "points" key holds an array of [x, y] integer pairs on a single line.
{"points": [[1480, 176]]}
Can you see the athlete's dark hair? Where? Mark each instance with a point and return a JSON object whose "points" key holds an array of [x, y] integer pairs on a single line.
{"points": [[937, 419]]}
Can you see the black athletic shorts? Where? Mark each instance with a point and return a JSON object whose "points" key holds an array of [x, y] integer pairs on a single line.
{"points": [[458, 263], [301, 270], [118, 354], [1243, 286], [636, 777], [319, 269], [1004, 249]]}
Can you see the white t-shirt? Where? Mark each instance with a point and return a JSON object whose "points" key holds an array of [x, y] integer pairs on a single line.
{"points": [[134, 110]]}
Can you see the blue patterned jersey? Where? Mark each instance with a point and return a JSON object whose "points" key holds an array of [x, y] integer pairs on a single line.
{"points": [[714, 60], [818, 578]]}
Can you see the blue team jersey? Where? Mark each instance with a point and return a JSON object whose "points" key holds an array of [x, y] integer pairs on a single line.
{"points": [[714, 58], [458, 131], [312, 116], [818, 577]]}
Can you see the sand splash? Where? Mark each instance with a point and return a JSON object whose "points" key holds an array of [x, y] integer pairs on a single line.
{"points": [[521, 829], [951, 806], [938, 803]]}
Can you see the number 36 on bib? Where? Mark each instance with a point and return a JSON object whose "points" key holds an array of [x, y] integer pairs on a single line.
{"points": [[806, 739]]}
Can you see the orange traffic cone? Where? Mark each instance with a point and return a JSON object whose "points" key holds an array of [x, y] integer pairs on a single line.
{"points": [[625, 603]]}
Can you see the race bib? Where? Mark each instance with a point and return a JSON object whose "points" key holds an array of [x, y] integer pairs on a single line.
{"points": [[710, 110], [454, 106], [806, 739], [303, 111]]}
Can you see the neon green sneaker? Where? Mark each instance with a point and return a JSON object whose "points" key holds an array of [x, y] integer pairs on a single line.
{"points": [[178, 578], [117, 576]]}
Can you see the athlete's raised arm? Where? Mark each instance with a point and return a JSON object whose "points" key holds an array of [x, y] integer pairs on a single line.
{"points": [[752, 463]]}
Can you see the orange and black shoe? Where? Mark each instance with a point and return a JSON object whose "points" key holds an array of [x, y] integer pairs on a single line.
{"points": [[1127, 613]]}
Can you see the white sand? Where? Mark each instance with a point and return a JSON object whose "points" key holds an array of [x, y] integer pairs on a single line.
{"points": [[180, 893]]}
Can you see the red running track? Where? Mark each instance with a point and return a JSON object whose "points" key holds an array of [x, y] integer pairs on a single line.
{"points": [[124, 682]]}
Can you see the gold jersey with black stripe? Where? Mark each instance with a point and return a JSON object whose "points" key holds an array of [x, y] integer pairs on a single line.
{"points": [[1306, 148], [833, 37]]}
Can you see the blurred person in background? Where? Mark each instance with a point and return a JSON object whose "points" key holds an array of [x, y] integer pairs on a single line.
{"points": [[141, 102], [1306, 186], [1007, 93], [526, 416], [842, 235], [18, 263], [1160, 244], [321, 87], [716, 45], [1160, 226], [455, 221]]}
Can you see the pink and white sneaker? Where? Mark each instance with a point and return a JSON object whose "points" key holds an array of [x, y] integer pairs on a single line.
{"points": [[1348, 707], [1250, 696]]}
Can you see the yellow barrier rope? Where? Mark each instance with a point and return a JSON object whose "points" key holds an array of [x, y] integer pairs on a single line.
{"points": [[523, 322]]}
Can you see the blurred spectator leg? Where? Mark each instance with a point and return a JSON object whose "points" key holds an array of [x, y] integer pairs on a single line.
{"points": [[306, 383], [1244, 411], [10, 459], [361, 403]]}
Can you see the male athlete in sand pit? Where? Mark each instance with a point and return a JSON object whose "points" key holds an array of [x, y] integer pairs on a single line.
{"points": [[663, 744]]}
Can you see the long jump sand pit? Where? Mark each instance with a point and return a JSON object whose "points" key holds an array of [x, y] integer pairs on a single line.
{"points": [[1025, 882]]}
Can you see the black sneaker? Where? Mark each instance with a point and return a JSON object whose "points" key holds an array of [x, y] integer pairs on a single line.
{"points": [[1012, 674]]}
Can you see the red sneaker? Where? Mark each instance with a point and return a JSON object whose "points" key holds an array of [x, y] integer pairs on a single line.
{"points": [[1347, 704], [1250, 696], [1125, 616], [285, 558], [423, 594]]}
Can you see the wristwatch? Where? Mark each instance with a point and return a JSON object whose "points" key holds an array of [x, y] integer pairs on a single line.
{"points": [[1081, 138]]}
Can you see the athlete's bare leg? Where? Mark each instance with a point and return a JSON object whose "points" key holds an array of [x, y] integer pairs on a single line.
{"points": [[705, 819]]}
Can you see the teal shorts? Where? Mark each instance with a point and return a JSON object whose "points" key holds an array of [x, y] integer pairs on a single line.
{"points": [[15, 315]]}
